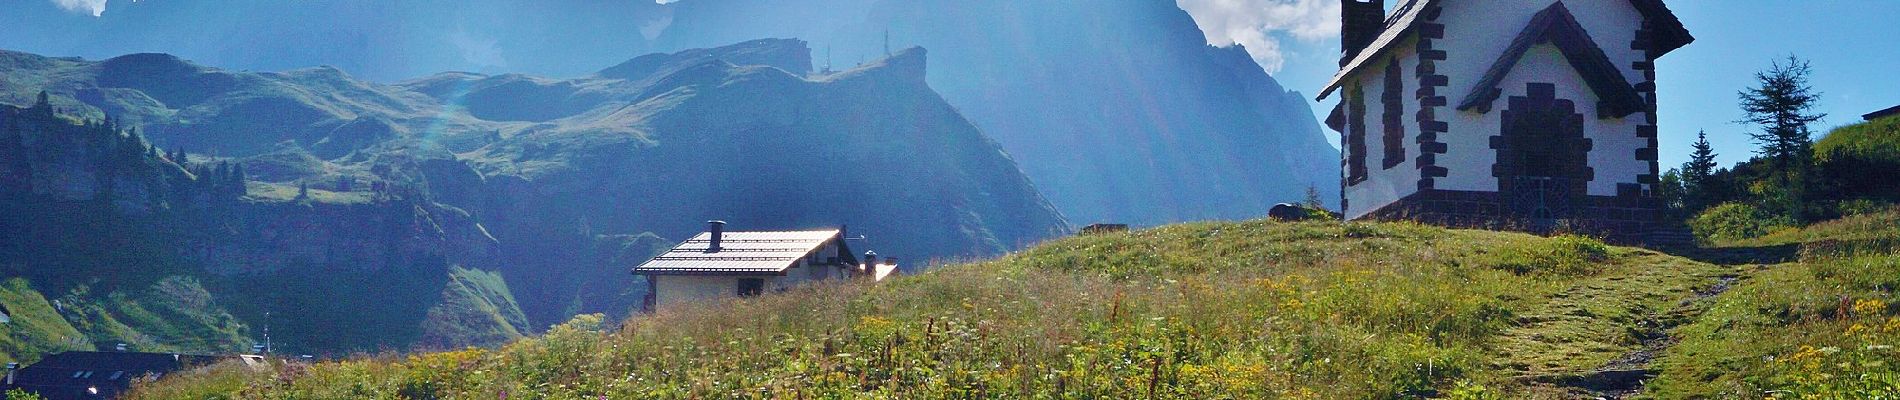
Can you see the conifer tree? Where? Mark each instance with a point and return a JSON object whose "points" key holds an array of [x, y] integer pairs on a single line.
{"points": [[1782, 106], [1701, 165], [236, 181]]}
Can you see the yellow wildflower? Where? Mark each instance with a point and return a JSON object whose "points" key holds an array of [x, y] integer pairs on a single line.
{"points": [[1869, 307]]}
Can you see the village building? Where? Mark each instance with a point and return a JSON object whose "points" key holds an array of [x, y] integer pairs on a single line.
{"points": [[100, 374], [718, 264], [1527, 114]]}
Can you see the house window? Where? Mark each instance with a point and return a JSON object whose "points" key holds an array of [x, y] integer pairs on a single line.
{"points": [[1356, 135], [749, 287], [1394, 122]]}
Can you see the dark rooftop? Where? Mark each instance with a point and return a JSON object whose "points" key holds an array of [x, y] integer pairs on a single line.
{"points": [[1882, 113], [95, 374]]}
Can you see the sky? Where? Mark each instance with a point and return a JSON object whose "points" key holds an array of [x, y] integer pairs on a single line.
{"points": [[1850, 43]]}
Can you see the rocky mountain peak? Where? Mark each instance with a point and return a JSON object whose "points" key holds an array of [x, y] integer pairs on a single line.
{"points": [[791, 55]]}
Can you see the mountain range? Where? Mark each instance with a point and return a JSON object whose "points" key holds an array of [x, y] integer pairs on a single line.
{"points": [[460, 208], [1118, 111], [524, 199]]}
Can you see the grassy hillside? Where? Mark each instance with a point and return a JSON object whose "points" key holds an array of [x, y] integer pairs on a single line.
{"points": [[1208, 310], [172, 315], [1824, 325], [476, 309], [1846, 155], [34, 326]]}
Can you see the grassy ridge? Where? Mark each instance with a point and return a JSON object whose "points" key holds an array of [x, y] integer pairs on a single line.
{"points": [[173, 315], [476, 309], [34, 326], [1206, 310], [1822, 327]]}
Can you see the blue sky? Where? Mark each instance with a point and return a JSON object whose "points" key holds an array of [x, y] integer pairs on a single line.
{"points": [[1854, 47]]}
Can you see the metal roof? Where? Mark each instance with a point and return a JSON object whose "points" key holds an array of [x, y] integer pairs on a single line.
{"points": [[740, 253]]}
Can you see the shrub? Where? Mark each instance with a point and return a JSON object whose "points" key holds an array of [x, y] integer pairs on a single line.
{"points": [[1736, 221], [1858, 207]]}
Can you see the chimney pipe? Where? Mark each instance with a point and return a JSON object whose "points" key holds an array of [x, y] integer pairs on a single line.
{"points": [[717, 230], [1360, 23], [870, 262], [11, 368]]}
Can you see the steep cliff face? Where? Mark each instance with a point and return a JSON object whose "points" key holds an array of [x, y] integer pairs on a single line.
{"points": [[1118, 110], [93, 216]]}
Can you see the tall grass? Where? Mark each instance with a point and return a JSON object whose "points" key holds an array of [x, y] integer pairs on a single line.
{"points": [[1206, 311]]}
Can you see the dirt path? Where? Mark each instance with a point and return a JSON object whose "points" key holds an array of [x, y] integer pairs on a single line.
{"points": [[1597, 339]]}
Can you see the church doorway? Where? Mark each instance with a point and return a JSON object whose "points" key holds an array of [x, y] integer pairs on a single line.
{"points": [[1543, 155]]}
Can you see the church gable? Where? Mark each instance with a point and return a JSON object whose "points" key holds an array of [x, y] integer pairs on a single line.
{"points": [[1555, 25], [1550, 119], [1366, 41]]}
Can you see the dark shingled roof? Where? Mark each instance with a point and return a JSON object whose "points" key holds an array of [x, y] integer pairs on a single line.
{"points": [[78, 374], [1882, 113], [1555, 25], [741, 253], [1669, 34]]}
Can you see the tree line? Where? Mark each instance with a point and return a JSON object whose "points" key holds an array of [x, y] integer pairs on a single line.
{"points": [[1785, 183]]}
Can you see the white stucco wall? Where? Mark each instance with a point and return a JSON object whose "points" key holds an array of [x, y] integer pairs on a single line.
{"points": [[671, 290], [1477, 32], [1383, 185], [1611, 23]]}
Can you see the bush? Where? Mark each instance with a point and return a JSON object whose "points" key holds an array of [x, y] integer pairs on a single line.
{"points": [[1736, 221], [1859, 207]]}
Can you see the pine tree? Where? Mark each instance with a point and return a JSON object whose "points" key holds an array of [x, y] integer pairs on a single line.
{"points": [[1313, 199], [1697, 178], [1701, 165], [1781, 107]]}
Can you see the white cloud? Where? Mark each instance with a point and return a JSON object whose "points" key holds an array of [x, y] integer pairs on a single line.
{"points": [[1259, 24], [92, 7], [479, 51]]}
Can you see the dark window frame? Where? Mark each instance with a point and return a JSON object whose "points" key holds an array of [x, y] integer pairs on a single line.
{"points": [[751, 287]]}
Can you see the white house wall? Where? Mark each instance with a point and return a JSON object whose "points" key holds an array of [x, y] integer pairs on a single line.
{"points": [[1614, 141], [1477, 32], [1384, 186], [671, 290], [680, 289]]}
